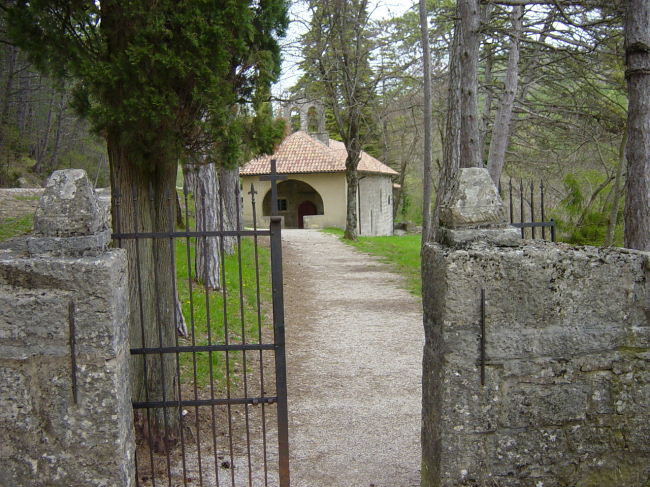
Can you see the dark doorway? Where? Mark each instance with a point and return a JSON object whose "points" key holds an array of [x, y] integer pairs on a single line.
{"points": [[291, 194], [305, 208]]}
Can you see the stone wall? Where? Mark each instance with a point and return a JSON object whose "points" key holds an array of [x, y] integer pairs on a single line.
{"points": [[376, 205], [65, 411], [566, 398]]}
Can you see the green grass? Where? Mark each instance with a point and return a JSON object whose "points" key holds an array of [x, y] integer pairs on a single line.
{"points": [[14, 227], [401, 252], [201, 311], [196, 310], [27, 198]]}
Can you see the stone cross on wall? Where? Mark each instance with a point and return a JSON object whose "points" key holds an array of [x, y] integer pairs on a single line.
{"points": [[472, 210]]}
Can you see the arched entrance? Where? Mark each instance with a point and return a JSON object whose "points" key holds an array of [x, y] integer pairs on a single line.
{"points": [[296, 199], [304, 209]]}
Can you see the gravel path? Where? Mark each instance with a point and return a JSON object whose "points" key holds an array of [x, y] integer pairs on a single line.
{"points": [[354, 349]]}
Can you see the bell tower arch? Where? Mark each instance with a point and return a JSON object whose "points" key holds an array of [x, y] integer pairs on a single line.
{"points": [[312, 117]]}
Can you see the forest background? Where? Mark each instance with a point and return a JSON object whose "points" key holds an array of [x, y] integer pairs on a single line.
{"points": [[566, 120]]}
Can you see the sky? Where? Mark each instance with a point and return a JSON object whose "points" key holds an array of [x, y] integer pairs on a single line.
{"points": [[298, 13]]}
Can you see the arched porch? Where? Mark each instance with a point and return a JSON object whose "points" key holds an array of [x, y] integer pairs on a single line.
{"points": [[296, 199]]}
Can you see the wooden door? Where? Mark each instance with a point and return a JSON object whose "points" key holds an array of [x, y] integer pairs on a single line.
{"points": [[304, 209]]}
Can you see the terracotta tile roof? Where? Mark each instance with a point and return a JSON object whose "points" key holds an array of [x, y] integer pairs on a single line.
{"points": [[299, 153]]}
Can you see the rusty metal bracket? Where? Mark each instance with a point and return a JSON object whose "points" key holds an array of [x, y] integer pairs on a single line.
{"points": [[482, 362], [73, 351]]}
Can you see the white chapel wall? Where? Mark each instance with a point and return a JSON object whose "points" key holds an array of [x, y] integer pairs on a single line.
{"points": [[376, 205], [331, 188]]}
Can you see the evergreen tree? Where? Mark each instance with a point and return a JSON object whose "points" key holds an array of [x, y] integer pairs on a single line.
{"points": [[158, 78]]}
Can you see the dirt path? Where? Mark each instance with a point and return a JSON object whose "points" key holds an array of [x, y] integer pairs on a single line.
{"points": [[354, 345]]}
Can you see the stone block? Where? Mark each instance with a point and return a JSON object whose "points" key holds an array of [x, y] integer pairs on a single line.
{"points": [[472, 200], [531, 406], [69, 245], [15, 395], [634, 432], [615, 469], [538, 453], [44, 286], [49, 435], [37, 314], [504, 236], [68, 206], [567, 366]]}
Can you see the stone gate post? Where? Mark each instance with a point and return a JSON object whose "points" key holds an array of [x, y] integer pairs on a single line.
{"points": [[536, 368], [65, 412]]}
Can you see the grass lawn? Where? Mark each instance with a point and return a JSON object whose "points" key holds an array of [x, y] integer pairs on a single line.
{"points": [[403, 253], [14, 227], [242, 320]]}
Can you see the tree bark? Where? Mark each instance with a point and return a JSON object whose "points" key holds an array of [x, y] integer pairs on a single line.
{"points": [[352, 179], [470, 19], [353, 147], [228, 184], [637, 52], [12, 55], [54, 156], [501, 130], [24, 107], [143, 202], [451, 143], [405, 157], [44, 140], [616, 194], [489, 100], [206, 200], [427, 170]]}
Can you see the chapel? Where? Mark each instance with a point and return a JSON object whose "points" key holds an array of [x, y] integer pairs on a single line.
{"points": [[314, 194]]}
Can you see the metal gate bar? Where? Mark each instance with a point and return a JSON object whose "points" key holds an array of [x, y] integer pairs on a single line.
{"points": [[532, 224], [182, 455]]}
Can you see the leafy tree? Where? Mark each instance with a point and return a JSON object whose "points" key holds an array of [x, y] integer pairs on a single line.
{"points": [[157, 79], [336, 60]]}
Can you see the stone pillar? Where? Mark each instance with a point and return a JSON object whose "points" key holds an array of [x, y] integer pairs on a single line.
{"points": [[65, 412], [563, 350], [472, 211]]}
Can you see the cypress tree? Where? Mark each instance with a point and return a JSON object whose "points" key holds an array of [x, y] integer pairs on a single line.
{"points": [[159, 78]]}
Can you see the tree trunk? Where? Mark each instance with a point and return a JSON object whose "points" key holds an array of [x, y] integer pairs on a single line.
{"points": [[616, 193], [229, 183], [54, 157], [12, 55], [206, 200], [24, 108], [592, 200], [501, 130], [144, 203], [427, 171], [352, 177], [637, 199], [470, 19], [44, 141], [189, 178], [405, 159], [451, 143], [180, 222], [489, 99]]}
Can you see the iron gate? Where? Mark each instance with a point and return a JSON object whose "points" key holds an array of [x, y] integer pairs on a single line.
{"points": [[208, 369]]}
